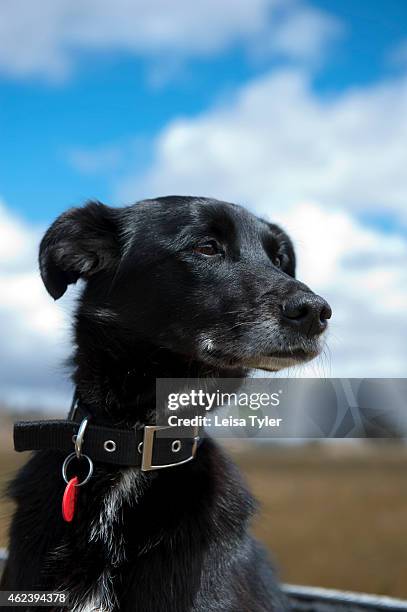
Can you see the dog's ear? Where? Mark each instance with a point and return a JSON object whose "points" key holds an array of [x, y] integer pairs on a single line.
{"points": [[81, 242]]}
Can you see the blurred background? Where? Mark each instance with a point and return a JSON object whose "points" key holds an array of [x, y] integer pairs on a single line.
{"points": [[296, 109]]}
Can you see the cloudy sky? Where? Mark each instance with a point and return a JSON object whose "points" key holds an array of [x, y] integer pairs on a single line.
{"points": [[296, 109]]}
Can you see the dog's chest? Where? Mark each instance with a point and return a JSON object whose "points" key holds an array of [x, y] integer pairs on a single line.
{"points": [[108, 531]]}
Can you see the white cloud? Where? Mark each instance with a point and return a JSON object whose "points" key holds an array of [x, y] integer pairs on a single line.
{"points": [[33, 329], [303, 33], [43, 39], [16, 242], [363, 274], [277, 143]]}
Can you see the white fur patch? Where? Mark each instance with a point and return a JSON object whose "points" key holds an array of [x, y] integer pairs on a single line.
{"points": [[126, 489], [108, 529], [102, 598], [207, 344]]}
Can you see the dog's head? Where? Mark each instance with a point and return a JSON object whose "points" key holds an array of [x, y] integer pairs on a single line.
{"points": [[199, 277]]}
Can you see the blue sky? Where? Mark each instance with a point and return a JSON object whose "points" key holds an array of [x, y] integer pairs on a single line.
{"points": [[295, 108], [109, 100]]}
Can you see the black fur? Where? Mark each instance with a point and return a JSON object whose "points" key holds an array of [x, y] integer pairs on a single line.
{"points": [[175, 287]]}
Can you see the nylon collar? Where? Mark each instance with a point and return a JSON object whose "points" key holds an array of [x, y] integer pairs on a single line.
{"points": [[151, 447]]}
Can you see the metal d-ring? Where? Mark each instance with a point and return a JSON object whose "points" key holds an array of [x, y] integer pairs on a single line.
{"points": [[66, 463], [79, 437]]}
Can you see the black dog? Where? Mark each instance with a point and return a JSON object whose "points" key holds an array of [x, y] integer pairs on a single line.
{"points": [[175, 287]]}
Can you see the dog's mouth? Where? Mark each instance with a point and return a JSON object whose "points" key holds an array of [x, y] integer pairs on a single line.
{"points": [[278, 360], [297, 354], [273, 360]]}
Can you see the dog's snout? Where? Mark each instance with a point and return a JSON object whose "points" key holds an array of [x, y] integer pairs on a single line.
{"points": [[307, 312]]}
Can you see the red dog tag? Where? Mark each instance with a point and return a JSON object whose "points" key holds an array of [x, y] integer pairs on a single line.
{"points": [[69, 500]]}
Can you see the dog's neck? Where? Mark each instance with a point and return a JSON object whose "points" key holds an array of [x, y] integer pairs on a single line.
{"points": [[120, 388]]}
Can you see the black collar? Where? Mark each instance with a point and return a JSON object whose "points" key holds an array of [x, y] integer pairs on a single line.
{"points": [[151, 447]]}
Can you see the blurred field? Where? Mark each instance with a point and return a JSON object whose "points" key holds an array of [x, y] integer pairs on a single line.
{"points": [[333, 516]]}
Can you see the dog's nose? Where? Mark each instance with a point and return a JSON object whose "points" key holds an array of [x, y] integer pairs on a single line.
{"points": [[307, 312]]}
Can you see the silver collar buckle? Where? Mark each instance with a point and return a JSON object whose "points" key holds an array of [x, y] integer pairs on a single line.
{"points": [[146, 448]]}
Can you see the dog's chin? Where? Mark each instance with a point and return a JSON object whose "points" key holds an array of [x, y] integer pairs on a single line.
{"points": [[275, 364], [272, 362], [276, 361]]}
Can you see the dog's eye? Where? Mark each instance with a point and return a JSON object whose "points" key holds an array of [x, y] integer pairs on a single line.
{"points": [[277, 261], [208, 248]]}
